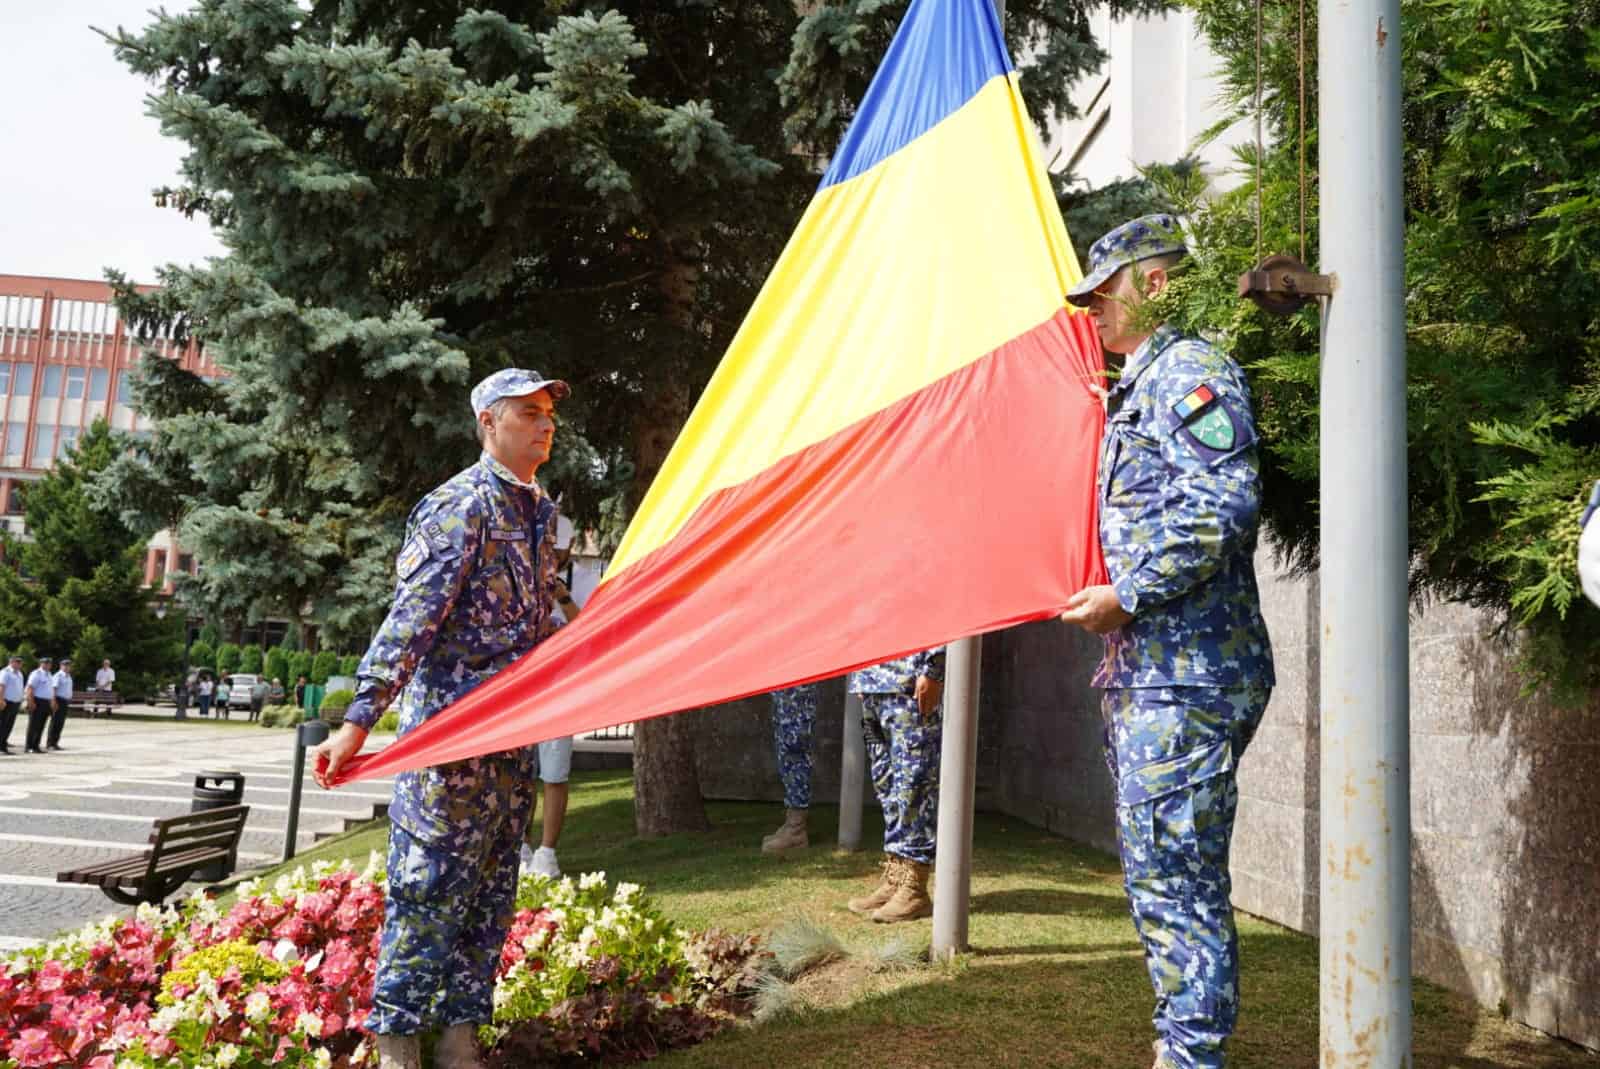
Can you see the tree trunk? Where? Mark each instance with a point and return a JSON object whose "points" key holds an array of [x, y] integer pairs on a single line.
{"points": [[666, 783]]}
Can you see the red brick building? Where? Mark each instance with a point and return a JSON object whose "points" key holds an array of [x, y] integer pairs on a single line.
{"points": [[65, 356]]}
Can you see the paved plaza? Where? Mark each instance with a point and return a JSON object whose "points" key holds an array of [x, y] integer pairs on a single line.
{"points": [[95, 800]]}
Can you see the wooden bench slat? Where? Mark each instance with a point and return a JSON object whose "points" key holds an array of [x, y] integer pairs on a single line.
{"points": [[179, 845]]}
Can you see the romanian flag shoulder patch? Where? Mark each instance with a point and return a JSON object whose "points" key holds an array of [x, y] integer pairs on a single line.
{"points": [[1194, 402]]}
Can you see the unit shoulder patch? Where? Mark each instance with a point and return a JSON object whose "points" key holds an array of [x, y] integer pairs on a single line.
{"points": [[1205, 420], [412, 557]]}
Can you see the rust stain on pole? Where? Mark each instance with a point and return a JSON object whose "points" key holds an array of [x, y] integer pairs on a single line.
{"points": [[1383, 34]]}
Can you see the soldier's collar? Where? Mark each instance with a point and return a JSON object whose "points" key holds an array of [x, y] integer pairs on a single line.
{"points": [[1145, 355], [503, 473]]}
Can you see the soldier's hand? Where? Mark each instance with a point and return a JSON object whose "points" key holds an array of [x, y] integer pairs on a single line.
{"points": [[1096, 609], [328, 758], [928, 693]]}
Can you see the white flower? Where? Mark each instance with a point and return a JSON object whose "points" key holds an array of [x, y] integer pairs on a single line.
{"points": [[258, 1006], [591, 879], [626, 891], [284, 951], [227, 1055], [321, 1058], [167, 1018], [309, 1023]]}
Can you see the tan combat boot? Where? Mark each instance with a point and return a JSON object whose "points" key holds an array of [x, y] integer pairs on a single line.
{"points": [[887, 882], [399, 1052], [458, 1048], [791, 834], [910, 899]]}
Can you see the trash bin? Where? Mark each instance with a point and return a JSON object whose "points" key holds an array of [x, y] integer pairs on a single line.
{"points": [[228, 789]]}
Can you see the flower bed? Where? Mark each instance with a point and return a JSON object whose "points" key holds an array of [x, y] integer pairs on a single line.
{"points": [[284, 978]]}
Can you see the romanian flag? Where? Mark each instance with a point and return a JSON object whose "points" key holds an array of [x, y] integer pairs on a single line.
{"points": [[898, 449]]}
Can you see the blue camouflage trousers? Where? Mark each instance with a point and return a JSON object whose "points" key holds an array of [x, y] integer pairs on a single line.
{"points": [[1173, 753], [903, 756], [445, 920], [794, 719]]}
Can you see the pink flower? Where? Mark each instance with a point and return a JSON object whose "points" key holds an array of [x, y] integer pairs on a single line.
{"points": [[34, 1047]]}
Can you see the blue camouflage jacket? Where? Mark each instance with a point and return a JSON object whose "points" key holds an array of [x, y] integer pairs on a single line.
{"points": [[476, 581], [898, 676], [1180, 496]]}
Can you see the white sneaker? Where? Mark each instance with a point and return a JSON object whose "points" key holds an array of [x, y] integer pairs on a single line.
{"points": [[544, 863], [525, 862]]}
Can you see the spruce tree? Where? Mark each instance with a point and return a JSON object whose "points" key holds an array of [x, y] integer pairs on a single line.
{"points": [[416, 195]]}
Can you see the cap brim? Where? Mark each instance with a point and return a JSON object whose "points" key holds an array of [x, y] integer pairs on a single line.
{"points": [[558, 389], [1080, 294]]}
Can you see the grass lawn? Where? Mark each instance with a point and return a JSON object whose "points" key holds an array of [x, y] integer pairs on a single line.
{"points": [[1056, 977]]}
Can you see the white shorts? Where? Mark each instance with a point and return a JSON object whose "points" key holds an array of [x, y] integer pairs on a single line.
{"points": [[555, 760]]}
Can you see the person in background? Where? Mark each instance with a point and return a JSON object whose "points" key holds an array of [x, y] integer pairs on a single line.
{"points": [[203, 697], [12, 684], [62, 681], [224, 692], [903, 725], [794, 721], [105, 677], [1589, 547], [555, 755], [180, 697], [39, 698]]}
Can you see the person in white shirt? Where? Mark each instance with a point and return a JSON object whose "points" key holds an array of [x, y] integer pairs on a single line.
{"points": [[106, 677], [11, 687], [62, 681], [39, 698], [203, 697]]}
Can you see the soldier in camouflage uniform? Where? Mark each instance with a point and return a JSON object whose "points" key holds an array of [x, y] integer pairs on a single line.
{"points": [[1188, 665], [476, 590], [902, 722], [794, 720]]}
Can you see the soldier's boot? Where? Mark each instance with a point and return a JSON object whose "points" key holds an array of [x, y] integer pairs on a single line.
{"points": [[458, 1048], [791, 834], [399, 1052], [888, 881], [911, 899]]}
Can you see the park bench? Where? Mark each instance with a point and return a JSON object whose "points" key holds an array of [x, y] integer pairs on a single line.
{"points": [[92, 703], [179, 846]]}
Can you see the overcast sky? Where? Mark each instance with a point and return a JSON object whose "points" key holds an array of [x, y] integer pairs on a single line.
{"points": [[80, 155]]}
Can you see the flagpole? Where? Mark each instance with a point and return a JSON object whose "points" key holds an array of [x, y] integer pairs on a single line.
{"points": [[958, 773], [1365, 700]]}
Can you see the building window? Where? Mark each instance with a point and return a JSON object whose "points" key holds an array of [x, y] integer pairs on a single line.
{"points": [[44, 443], [22, 380], [186, 563], [124, 389], [17, 500], [66, 440], [99, 378], [5, 376], [52, 381], [77, 379], [158, 567], [16, 435]]}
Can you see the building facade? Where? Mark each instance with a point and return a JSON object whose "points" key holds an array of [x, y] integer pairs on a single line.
{"points": [[65, 361]]}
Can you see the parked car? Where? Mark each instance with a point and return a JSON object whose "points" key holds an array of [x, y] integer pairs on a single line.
{"points": [[243, 688]]}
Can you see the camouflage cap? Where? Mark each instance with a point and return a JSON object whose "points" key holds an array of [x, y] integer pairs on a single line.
{"points": [[1144, 237], [514, 382]]}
